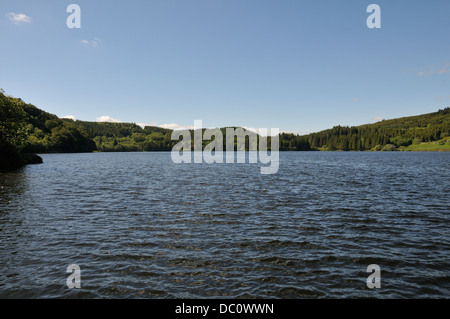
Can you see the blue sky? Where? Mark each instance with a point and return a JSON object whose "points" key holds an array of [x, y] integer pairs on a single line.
{"points": [[300, 66]]}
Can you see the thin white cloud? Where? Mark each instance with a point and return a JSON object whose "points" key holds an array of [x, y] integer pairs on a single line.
{"points": [[427, 72], [174, 126], [107, 118], [355, 99], [18, 18], [377, 118], [92, 43], [444, 69], [435, 70], [143, 125], [296, 132], [71, 117]]}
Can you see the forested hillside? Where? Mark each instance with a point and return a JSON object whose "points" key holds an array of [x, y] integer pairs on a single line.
{"points": [[396, 134], [12, 133], [129, 137], [126, 137], [26, 129], [47, 133]]}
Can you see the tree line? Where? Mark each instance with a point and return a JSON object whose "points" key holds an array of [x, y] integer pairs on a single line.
{"points": [[384, 135], [25, 128]]}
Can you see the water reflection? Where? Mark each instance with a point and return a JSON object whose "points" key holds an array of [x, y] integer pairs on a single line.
{"points": [[12, 187]]}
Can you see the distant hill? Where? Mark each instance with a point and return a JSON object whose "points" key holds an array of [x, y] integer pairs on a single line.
{"points": [[422, 132], [126, 137], [406, 133], [25, 128]]}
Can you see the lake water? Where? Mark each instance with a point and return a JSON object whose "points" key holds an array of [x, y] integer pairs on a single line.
{"points": [[140, 226]]}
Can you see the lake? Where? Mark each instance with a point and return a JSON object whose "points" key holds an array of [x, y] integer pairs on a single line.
{"points": [[140, 226]]}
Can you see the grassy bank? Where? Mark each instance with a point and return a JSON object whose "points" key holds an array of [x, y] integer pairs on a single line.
{"points": [[441, 145]]}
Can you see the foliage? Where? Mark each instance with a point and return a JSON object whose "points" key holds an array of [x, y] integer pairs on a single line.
{"points": [[398, 132], [12, 132], [12, 123], [441, 145], [126, 137], [25, 128]]}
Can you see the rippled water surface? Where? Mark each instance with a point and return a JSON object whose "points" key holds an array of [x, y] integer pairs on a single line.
{"points": [[140, 226]]}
